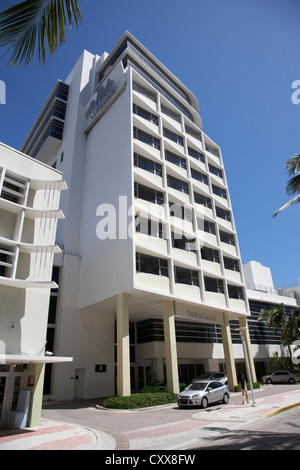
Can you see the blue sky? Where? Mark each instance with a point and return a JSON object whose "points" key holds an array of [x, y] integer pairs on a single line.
{"points": [[239, 58]]}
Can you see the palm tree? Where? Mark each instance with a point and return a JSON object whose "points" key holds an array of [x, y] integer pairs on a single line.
{"points": [[293, 184], [289, 325], [36, 21]]}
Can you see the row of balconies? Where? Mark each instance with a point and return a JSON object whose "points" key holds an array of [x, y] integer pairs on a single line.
{"points": [[28, 215]]}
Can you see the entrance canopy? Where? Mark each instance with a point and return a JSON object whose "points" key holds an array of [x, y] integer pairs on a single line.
{"points": [[21, 359]]}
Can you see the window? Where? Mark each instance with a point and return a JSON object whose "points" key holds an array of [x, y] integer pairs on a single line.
{"points": [[209, 227], [174, 137], [145, 114], [146, 138], [144, 91], [212, 150], [203, 200], [214, 285], [193, 133], [199, 176], [148, 194], [219, 191], [235, 292], [182, 243], [195, 154], [184, 213], [146, 164], [175, 159], [178, 184], [151, 265], [170, 113], [223, 214], [226, 237], [186, 276], [216, 171], [231, 264], [210, 255], [150, 227]]}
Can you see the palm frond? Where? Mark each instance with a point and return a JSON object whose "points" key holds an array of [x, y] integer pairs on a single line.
{"points": [[293, 185], [36, 21], [288, 204], [293, 165]]}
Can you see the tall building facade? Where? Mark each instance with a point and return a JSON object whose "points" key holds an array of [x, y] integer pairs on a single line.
{"points": [[150, 272], [29, 211]]}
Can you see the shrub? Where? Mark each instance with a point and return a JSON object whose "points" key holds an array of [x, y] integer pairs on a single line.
{"points": [[140, 400], [237, 388]]}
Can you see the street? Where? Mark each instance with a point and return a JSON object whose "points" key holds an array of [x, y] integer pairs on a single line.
{"points": [[279, 432], [232, 426]]}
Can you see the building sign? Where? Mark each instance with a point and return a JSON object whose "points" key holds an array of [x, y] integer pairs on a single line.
{"points": [[104, 94], [195, 314]]}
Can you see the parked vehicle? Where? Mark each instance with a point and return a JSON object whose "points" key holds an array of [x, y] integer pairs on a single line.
{"points": [[159, 387], [219, 376], [203, 393], [280, 376]]}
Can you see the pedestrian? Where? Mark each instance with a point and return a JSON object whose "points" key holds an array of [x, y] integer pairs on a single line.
{"points": [[244, 389]]}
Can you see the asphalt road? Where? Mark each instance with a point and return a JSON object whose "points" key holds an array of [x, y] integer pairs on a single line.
{"points": [[280, 432]]}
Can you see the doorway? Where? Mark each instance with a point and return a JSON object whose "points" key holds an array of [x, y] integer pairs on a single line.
{"points": [[79, 384]]}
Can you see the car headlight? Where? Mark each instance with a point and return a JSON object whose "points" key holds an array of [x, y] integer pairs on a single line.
{"points": [[195, 395]]}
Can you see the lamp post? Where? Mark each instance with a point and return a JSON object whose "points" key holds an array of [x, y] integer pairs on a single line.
{"points": [[242, 332]]}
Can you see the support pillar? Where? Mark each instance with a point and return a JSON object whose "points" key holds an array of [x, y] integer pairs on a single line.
{"points": [[34, 381], [123, 356], [244, 324], [170, 346], [228, 353]]}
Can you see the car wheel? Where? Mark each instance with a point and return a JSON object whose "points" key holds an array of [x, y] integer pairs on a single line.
{"points": [[291, 381], [268, 381], [204, 402], [225, 398]]}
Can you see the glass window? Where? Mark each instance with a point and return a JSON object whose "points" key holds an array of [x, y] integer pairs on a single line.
{"points": [[146, 138], [216, 171], [148, 165], [195, 154], [199, 176], [210, 255], [219, 191], [172, 136], [148, 194], [151, 265], [235, 292], [203, 200], [186, 276], [231, 264], [226, 237], [175, 159], [209, 227], [145, 114], [214, 285], [178, 184], [223, 214]]}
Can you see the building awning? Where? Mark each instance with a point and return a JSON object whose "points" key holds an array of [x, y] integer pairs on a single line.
{"points": [[22, 359]]}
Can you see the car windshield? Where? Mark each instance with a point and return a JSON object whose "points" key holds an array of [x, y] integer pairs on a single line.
{"points": [[205, 376], [197, 386]]}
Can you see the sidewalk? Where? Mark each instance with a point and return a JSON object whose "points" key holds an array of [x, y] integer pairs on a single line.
{"points": [[178, 430]]}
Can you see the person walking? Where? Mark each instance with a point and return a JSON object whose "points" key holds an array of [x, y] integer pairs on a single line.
{"points": [[244, 389]]}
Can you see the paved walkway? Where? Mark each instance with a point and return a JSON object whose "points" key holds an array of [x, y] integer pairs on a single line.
{"points": [[90, 427]]}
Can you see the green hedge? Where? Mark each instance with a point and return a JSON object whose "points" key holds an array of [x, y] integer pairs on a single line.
{"points": [[237, 388], [140, 400]]}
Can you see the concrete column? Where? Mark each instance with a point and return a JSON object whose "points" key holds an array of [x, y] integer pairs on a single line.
{"points": [[228, 353], [244, 324], [170, 346], [123, 357], [34, 381]]}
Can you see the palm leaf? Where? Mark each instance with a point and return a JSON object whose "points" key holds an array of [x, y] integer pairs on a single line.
{"points": [[36, 21], [288, 204], [293, 165], [293, 185]]}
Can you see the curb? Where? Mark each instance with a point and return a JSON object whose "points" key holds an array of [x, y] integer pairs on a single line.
{"points": [[284, 408]]}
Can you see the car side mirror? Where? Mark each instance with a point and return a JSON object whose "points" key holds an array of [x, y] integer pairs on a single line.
{"points": [[209, 389]]}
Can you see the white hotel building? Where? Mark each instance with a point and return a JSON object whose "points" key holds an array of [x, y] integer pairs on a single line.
{"points": [[148, 241]]}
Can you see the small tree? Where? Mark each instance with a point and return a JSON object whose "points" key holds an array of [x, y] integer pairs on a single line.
{"points": [[293, 184], [289, 325]]}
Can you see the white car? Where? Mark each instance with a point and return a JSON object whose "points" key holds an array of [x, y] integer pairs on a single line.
{"points": [[203, 393]]}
